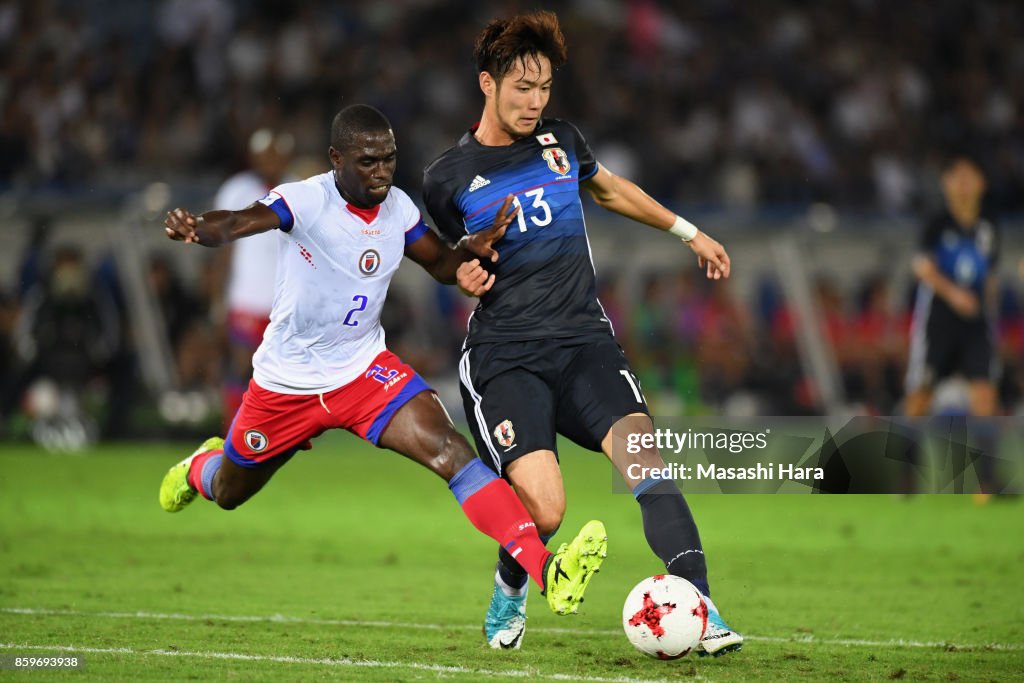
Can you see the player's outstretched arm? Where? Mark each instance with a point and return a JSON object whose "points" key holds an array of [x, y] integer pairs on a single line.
{"points": [[443, 262], [214, 228], [625, 197]]}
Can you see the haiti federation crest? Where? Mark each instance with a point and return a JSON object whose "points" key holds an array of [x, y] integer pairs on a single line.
{"points": [[256, 441], [557, 160], [369, 262]]}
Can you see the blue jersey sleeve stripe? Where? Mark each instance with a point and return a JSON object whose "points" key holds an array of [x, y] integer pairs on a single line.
{"points": [[589, 175], [284, 212], [415, 232]]}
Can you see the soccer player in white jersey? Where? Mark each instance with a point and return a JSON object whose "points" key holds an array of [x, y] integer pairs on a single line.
{"points": [[323, 363], [249, 294]]}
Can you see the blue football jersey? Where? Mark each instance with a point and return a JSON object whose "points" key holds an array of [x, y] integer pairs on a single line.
{"points": [[965, 255], [545, 284]]}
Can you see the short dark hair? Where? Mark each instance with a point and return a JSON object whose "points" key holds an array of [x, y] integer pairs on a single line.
{"points": [[355, 120], [955, 156], [504, 41]]}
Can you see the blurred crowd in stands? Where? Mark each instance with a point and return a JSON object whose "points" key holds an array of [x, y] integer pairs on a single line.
{"points": [[697, 347], [707, 103], [719, 102]]}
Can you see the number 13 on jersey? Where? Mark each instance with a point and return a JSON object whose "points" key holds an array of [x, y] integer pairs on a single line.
{"points": [[541, 210]]}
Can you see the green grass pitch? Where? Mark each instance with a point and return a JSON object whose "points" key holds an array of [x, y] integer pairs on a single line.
{"points": [[354, 564]]}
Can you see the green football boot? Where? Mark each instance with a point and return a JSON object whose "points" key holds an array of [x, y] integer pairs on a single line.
{"points": [[175, 491], [569, 571]]}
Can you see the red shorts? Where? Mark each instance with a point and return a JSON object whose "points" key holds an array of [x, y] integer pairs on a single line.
{"points": [[270, 424]]}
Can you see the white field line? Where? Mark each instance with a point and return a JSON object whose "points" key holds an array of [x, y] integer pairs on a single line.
{"points": [[278, 618], [530, 674]]}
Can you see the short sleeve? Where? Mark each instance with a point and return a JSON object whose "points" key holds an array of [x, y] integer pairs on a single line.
{"points": [[418, 230], [440, 202], [584, 155], [410, 217], [296, 204]]}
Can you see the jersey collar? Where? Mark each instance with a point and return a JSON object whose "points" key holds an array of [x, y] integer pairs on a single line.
{"points": [[367, 215], [469, 139]]}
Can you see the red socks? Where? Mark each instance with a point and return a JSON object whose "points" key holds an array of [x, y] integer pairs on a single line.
{"points": [[495, 510]]}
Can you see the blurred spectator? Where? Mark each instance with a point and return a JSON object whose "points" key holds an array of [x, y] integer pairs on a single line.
{"points": [[880, 344], [68, 329], [66, 334], [252, 273]]}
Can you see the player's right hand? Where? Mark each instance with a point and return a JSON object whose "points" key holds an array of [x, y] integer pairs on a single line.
{"points": [[479, 243], [473, 279], [181, 226]]}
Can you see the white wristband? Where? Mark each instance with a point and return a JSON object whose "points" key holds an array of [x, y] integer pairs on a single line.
{"points": [[683, 229]]}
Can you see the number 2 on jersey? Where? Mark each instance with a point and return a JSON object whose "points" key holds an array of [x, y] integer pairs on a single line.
{"points": [[361, 300], [538, 203]]}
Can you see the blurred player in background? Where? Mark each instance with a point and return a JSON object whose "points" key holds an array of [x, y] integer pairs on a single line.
{"points": [[323, 363], [540, 358], [252, 274], [953, 326]]}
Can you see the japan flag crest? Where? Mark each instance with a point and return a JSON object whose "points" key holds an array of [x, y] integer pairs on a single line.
{"points": [[504, 434], [557, 160]]}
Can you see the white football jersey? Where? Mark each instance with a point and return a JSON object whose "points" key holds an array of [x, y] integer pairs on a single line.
{"points": [[253, 271], [334, 266]]}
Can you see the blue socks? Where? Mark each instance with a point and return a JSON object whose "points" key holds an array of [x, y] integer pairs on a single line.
{"points": [[470, 479], [209, 471]]}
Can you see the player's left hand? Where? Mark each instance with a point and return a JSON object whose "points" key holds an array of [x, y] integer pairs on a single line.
{"points": [[710, 256], [479, 243], [473, 279]]}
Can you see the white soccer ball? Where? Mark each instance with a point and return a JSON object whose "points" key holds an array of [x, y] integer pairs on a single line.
{"points": [[665, 616]]}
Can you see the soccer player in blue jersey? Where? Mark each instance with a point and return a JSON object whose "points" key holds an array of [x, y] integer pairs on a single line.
{"points": [[540, 358], [953, 323]]}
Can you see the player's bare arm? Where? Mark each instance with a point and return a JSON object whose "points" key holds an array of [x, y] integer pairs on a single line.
{"points": [[214, 228], [626, 198], [961, 300], [444, 262]]}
